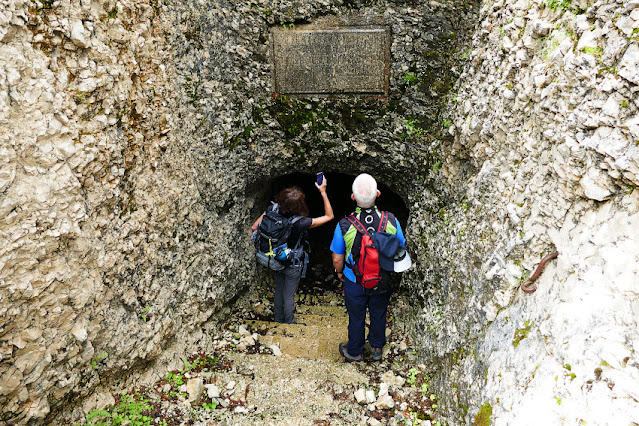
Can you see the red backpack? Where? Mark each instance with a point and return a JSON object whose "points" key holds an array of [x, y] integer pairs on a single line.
{"points": [[367, 271]]}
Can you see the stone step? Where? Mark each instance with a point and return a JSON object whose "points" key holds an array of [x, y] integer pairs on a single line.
{"points": [[325, 347], [311, 329], [330, 311], [318, 339], [326, 325], [328, 299]]}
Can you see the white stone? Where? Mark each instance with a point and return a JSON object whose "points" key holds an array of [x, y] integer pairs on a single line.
{"points": [[625, 24], [607, 140], [248, 340], [392, 379], [385, 402], [360, 396], [370, 396], [240, 410], [612, 106], [212, 391], [507, 43], [276, 350], [80, 333], [10, 380], [629, 65], [78, 36], [631, 124], [195, 389], [589, 39], [231, 384], [383, 389], [508, 94], [99, 400], [541, 28], [594, 187]]}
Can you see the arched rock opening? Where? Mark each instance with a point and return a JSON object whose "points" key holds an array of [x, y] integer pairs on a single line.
{"points": [[339, 191]]}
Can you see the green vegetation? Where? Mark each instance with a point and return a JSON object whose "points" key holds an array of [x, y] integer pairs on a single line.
{"points": [[298, 116], [571, 374], [413, 377], [143, 313], [113, 12], [596, 51], [130, 411], [555, 4], [522, 333], [410, 79], [96, 361], [46, 4], [483, 416], [413, 129]]}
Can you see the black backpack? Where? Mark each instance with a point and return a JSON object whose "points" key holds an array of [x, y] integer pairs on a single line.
{"points": [[272, 237]]}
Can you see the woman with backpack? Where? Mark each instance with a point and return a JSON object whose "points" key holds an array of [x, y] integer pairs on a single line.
{"points": [[291, 204]]}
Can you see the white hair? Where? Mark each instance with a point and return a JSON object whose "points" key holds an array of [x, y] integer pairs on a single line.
{"points": [[365, 190]]}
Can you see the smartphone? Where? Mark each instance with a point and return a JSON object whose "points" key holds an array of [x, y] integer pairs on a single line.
{"points": [[320, 178]]}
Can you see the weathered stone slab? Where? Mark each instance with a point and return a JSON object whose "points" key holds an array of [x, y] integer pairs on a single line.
{"points": [[347, 60]]}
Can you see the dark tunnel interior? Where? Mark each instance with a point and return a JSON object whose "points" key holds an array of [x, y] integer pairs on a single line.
{"points": [[339, 193]]}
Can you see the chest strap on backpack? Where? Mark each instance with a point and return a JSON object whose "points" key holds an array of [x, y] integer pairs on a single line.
{"points": [[383, 220]]}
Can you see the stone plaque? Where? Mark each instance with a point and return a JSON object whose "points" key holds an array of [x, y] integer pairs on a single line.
{"points": [[349, 60]]}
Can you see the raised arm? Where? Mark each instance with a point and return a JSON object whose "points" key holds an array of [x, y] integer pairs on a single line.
{"points": [[328, 209]]}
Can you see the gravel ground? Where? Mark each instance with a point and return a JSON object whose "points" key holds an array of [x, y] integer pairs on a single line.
{"points": [[245, 378]]}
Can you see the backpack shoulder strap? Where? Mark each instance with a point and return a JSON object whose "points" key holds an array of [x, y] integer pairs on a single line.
{"points": [[298, 243], [383, 221], [357, 224]]}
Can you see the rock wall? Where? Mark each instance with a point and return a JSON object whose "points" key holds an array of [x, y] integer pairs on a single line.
{"points": [[137, 140], [106, 258], [542, 155]]}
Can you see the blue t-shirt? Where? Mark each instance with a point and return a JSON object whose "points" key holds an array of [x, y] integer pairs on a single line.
{"points": [[338, 246]]}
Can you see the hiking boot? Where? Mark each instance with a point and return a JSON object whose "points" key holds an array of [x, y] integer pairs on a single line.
{"points": [[377, 354], [349, 357]]}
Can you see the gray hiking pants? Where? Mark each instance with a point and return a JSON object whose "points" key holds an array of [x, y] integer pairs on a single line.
{"points": [[286, 282]]}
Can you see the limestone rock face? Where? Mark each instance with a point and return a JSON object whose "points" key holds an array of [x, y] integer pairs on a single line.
{"points": [[98, 208], [542, 157]]}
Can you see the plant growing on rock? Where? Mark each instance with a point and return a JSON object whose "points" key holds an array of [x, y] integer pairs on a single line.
{"points": [[129, 411]]}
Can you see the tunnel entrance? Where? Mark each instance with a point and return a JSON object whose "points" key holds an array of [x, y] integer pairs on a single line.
{"points": [[339, 193]]}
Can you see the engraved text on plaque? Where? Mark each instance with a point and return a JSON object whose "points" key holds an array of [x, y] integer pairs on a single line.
{"points": [[350, 60]]}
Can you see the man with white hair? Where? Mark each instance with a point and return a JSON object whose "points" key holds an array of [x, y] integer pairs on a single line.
{"points": [[347, 241]]}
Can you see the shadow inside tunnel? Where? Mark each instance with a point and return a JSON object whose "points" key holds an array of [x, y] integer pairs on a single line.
{"points": [[339, 193]]}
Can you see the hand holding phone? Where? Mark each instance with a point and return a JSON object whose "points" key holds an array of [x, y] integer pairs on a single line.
{"points": [[320, 178]]}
